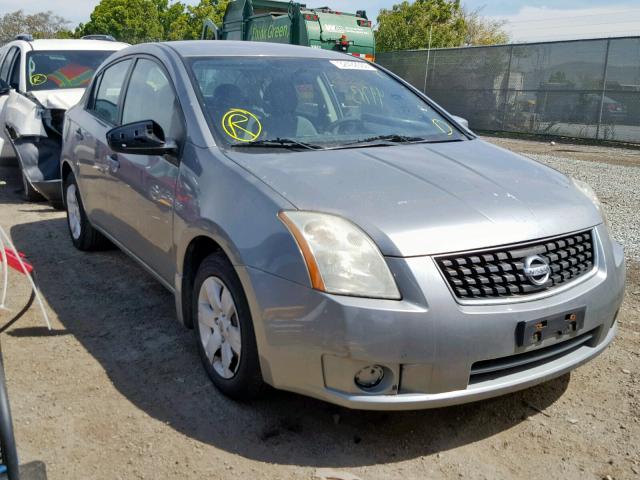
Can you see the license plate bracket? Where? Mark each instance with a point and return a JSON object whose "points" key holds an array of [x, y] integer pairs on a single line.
{"points": [[533, 332]]}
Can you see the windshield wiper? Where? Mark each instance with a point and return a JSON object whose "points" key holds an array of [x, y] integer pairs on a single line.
{"points": [[393, 138], [389, 140], [383, 140], [279, 143]]}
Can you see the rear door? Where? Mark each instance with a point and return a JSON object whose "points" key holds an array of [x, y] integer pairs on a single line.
{"points": [[92, 153], [144, 185]]}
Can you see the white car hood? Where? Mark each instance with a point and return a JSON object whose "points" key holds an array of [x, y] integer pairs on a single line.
{"points": [[62, 99]]}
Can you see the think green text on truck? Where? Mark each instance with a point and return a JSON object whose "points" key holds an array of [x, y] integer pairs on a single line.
{"points": [[294, 23]]}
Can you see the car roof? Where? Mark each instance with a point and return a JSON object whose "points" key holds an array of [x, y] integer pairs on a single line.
{"points": [[69, 44], [234, 48]]}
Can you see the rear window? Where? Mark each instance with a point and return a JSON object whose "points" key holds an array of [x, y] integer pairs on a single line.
{"points": [[62, 69]]}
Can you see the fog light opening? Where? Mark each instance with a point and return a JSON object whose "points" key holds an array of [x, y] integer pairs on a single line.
{"points": [[369, 377]]}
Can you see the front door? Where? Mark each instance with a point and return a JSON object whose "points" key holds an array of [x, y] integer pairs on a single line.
{"points": [[91, 151], [145, 184]]}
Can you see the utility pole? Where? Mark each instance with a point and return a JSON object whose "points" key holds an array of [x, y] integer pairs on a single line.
{"points": [[426, 70]]}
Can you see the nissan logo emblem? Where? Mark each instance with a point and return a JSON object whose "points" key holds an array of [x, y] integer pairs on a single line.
{"points": [[536, 269]]}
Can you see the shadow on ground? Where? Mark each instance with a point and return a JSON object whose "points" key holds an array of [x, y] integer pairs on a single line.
{"points": [[126, 320]]}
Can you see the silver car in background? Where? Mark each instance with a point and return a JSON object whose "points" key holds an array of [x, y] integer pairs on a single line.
{"points": [[328, 230]]}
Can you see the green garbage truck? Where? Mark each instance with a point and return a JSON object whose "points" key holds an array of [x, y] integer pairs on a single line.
{"points": [[294, 23]]}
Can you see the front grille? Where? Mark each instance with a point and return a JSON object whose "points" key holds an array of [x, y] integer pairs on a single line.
{"points": [[484, 369], [499, 272]]}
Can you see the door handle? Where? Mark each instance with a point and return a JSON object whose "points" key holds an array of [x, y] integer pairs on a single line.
{"points": [[114, 163], [79, 134]]}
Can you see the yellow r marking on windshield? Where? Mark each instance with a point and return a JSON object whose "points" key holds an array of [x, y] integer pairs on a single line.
{"points": [[241, 125], [443, 127], [37, 79]]}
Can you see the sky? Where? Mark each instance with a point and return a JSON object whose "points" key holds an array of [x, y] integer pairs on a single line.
{"points": [[526, 20]]}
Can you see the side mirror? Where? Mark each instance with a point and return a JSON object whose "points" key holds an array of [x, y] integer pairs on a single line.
{"points": [[5, 88], [140, 138], [462, 121]]}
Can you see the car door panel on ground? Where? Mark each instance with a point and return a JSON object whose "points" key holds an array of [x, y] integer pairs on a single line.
{"points": [[91, 150], [147, 181]]}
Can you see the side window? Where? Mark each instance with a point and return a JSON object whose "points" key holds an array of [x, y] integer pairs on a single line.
{"points": [[105, 104], [150, 97], [6, 65]]}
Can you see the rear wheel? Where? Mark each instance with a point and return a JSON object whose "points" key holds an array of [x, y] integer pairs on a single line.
{"points": [[224, 329], [83, 235]]}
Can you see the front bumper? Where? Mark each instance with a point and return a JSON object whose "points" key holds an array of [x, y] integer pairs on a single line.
{"points": [[313, 343]]}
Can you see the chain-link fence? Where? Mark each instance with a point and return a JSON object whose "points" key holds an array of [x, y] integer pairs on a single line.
{"points": [[581, 88]]}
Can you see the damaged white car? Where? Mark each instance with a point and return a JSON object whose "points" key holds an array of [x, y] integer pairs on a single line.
{"points": [[39, 81]]}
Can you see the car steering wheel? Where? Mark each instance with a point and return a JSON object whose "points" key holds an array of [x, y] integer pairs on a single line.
{"points": [[346, 125]]}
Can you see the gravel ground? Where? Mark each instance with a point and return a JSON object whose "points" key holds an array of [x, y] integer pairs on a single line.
{"points": [[116, 390], [617, 186]]}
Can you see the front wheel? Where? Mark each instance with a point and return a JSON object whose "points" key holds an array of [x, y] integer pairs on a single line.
{"points": [[224, 329]]}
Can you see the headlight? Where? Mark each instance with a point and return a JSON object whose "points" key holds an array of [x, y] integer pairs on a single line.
{"points": [[588, 192], [340, 257]]}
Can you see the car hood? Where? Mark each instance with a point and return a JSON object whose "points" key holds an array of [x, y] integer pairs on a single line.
{"points": [[427, 199], [61, 99]]}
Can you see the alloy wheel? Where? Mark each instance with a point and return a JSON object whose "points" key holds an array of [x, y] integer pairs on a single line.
{"points": [[219, 326], [73, 212]]}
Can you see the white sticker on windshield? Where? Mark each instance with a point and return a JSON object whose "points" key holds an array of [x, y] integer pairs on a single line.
{"points": [[347, 65]]}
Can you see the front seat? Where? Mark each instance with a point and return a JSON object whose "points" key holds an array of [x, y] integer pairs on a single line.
{"points": [[227, 96], [280, 103]]}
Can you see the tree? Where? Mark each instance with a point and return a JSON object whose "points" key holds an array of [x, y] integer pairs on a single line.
{"points": [[483, 31], [40, 25], [135, 21], [169, 16], [131, 21], [408, 25], [189, 25]]}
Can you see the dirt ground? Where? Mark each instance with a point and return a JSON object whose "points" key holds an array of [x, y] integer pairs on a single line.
{"points": [[116, 390]]}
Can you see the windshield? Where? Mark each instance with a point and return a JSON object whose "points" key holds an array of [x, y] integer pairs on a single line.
{"points": [[313, 103], [64, 69]]}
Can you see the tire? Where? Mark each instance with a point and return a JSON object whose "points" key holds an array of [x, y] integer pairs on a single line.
{"points": [[57, 204], [30, 194], [7, 439], [82, 233], [242, 379]]}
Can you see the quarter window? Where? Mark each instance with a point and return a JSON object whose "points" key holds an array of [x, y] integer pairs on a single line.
{"points": [[105, 105], [150, 97]]}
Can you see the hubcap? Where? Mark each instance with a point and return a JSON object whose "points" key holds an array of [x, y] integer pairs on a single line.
{"points": [[73, 212], [219, 327]]}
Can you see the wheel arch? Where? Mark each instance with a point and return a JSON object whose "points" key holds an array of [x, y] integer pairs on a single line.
{"points": [[196, 250], [65, 170]]}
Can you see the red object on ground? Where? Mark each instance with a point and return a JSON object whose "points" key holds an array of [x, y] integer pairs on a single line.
{"points": [[14, 263]]}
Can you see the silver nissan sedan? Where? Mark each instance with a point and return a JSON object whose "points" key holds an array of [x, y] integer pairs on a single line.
{"points": [[327, 229]]}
